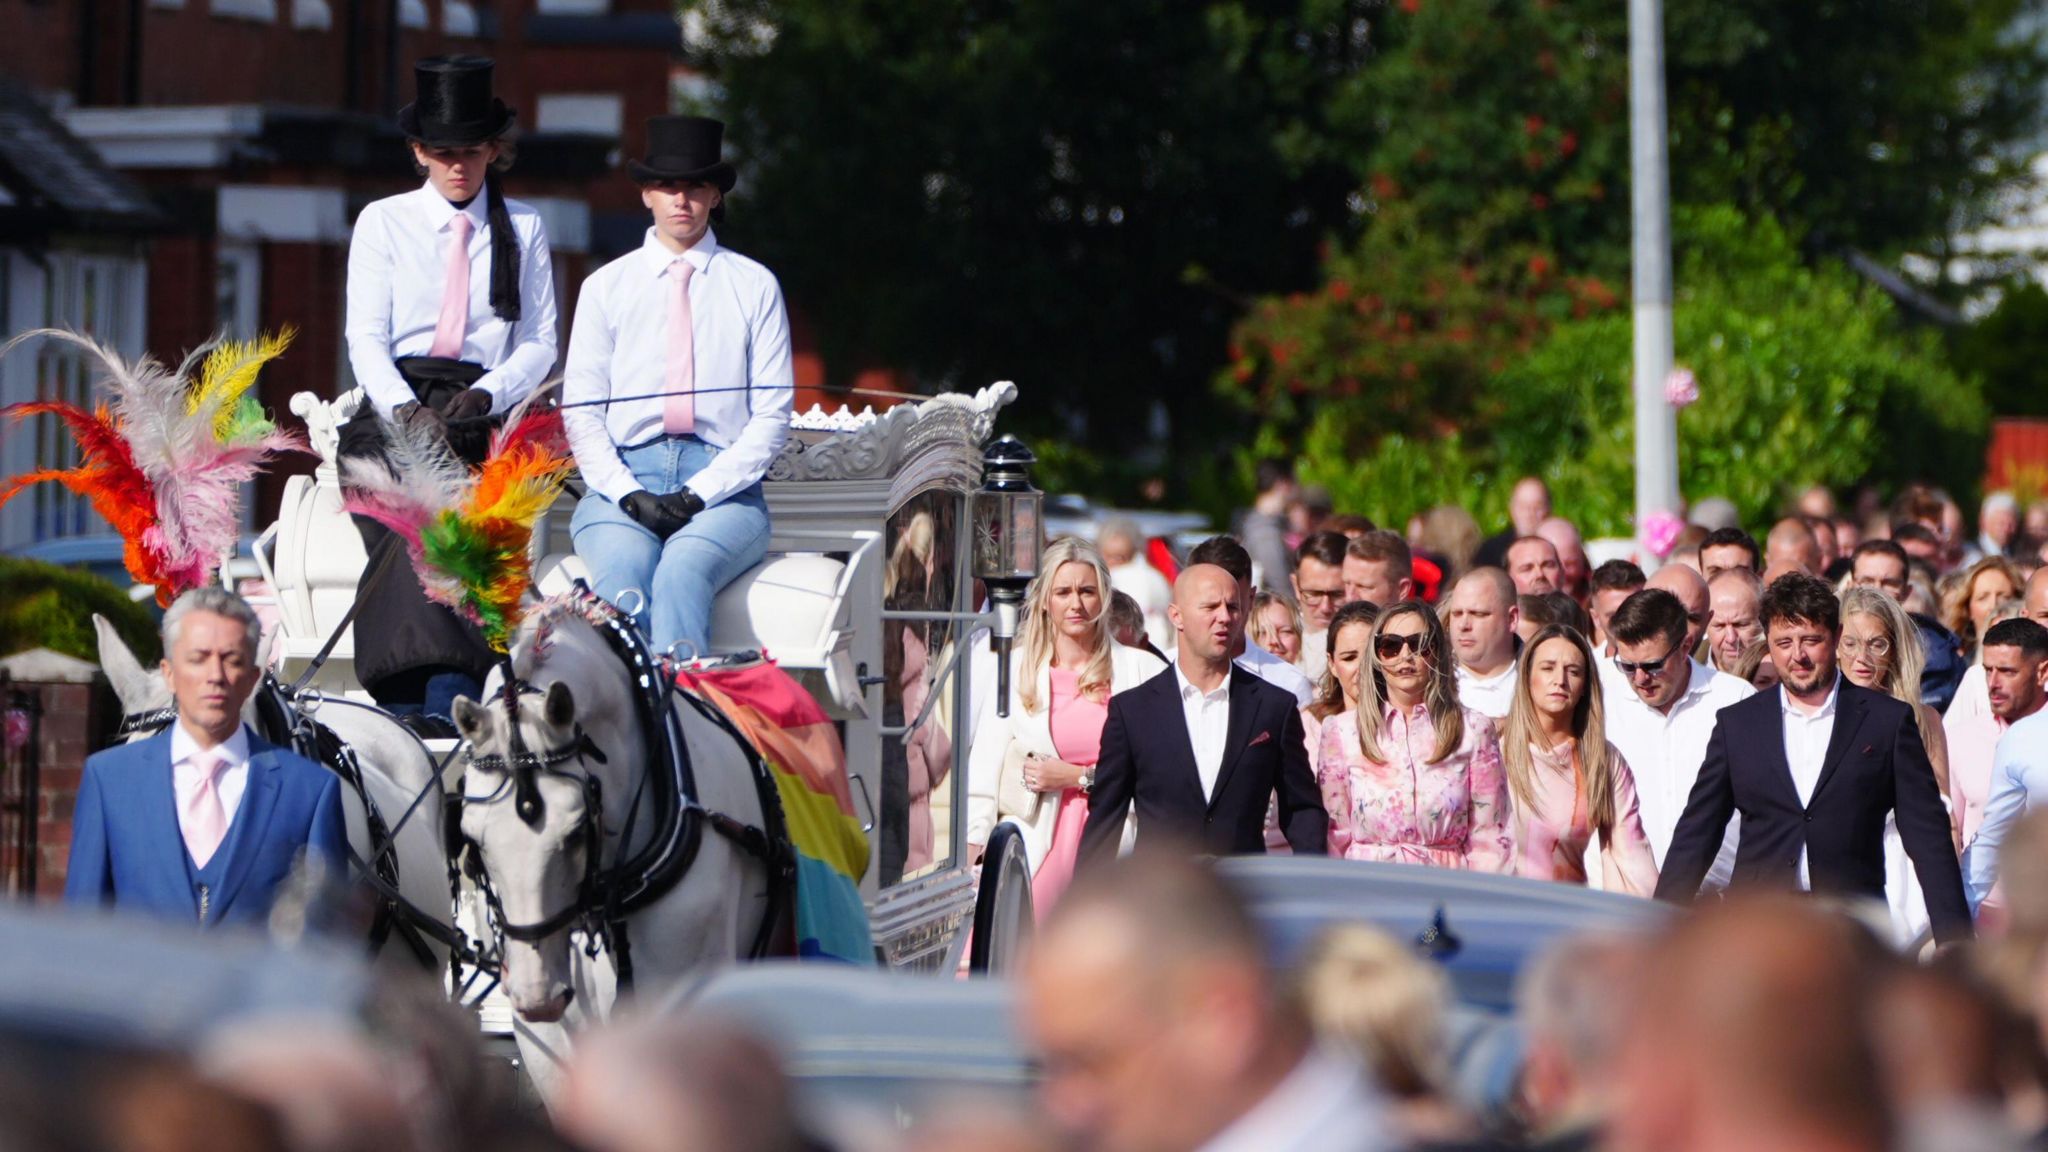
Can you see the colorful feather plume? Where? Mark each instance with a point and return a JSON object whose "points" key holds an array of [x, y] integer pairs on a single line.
{"points": [[468, 533], [164, 460]]}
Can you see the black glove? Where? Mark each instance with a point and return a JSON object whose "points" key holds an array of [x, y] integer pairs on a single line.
{"points": [[416, 415], [646, 510], [683, 506], [469, 404]]}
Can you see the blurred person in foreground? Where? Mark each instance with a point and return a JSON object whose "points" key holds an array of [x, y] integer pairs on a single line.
{"points": [[1613, 582], [1199, 751], [1734, 597], [1376, 998], [670, 1084], [1161, 1028], [1568, 783], [1662, 715], [203, 822], [1813, 768], [1226, 553], [1746, 1033], [1482, 616], [1123, 549], [2014, 666], [1319, 590], [1528, 508], [1411, 775], [1944, 1041], [1572, 1001]]}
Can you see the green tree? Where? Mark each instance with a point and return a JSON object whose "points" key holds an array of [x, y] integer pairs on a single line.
{"points": [[49, 606], [2008, 349]]}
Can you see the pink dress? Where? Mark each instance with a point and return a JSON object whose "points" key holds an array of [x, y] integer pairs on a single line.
{"points": [[1551, 841], [1451, 814], [1077, 736]]}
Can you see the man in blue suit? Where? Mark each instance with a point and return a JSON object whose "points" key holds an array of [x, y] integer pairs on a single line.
{"points": [[203, 821]]}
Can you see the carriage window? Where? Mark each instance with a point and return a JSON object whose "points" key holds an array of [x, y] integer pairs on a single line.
{"points": [[921, 575]]}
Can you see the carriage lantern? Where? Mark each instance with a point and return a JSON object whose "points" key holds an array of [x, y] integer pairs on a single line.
{"points": [[1008, 539]]}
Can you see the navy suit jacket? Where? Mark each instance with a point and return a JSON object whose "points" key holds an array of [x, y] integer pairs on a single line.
{"points": [[1875, 765], [1148, 759], [127, 851]]}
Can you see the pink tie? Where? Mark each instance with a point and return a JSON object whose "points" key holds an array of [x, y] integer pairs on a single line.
{"points": [[454, 322], [205, 820], [679, 410]]}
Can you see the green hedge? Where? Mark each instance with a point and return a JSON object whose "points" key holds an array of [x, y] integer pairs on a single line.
{"points": [[49, 606]]}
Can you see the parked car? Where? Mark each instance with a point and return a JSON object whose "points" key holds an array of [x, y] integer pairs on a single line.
{"points": [[1072, 515]]}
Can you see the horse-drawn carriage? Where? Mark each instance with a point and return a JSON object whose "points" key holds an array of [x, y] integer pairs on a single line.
{"points": [[867, 597]]}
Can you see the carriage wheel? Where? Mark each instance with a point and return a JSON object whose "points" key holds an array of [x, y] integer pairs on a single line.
{"points": [[1003, 916]]}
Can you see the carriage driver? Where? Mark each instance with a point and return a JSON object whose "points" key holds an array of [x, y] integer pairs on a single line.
{"points": [[689, 342], [201, 822], [451, 322]]}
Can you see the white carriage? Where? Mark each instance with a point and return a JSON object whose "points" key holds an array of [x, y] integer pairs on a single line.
{"points": [[867, 596]]}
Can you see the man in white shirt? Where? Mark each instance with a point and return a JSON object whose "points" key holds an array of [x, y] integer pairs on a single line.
{"points": [[1320, 590], [1130, 573], [450, 323], [1481, 615], [1226, 553], [689, 343], [1661, 706], [1161, 1027]]}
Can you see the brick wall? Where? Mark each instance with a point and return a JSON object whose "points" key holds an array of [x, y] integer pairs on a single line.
{"points": [[77, 720]]}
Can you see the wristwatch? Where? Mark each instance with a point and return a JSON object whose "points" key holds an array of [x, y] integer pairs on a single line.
{"points": [[1087, 780]]}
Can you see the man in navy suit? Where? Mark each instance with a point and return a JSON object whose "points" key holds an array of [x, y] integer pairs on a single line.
{"points": [[204, 820], [1202, 750], [1814, 766]]}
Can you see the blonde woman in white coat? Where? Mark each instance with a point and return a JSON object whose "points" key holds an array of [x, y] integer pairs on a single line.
{"points": [[1035, 767]]}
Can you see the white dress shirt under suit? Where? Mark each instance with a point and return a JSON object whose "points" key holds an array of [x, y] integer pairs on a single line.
{"points": [[1208, 716], [618, 346], [1806, 750], [1665, 750], [186, 773], [397, 268]]}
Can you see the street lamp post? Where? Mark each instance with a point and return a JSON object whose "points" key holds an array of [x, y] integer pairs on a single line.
{"points": [[1656, 419], [1009, 536]]}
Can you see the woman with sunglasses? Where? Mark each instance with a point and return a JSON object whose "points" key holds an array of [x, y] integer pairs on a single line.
{"points": [[1410, 775], [1879, 650], [1568, 782]]}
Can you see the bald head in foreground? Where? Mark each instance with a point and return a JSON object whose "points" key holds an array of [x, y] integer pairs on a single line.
{"points": [[1161, 1027], [1201, 748]]}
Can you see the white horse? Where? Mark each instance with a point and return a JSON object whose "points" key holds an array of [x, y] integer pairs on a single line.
{"points": [[527, 813], [397, 773]]}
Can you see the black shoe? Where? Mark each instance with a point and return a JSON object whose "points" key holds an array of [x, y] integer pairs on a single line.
{"points": [[428, 727]]}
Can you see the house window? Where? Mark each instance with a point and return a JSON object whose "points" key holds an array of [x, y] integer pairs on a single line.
{"points": [[594, 114], [312, 15], [100, 296], [237, 282], [263, 10], [573, 7]]}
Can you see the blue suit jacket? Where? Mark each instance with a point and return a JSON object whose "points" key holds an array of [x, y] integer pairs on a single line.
{"points": [[127, 851]]}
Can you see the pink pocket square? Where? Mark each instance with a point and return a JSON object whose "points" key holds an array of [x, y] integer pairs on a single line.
{"points": [[1261, 738]]}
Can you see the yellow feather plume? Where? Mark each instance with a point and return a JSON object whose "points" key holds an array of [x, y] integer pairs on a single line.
{"points": [[230, 370]]}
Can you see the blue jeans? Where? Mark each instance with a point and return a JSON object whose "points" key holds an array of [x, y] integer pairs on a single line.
{"points": [[437, 688], [676, 580]]}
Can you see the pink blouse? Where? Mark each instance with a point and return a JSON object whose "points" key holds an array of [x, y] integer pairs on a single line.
{"points": [[1551, 840], [1452, 814], [1076, 720]]}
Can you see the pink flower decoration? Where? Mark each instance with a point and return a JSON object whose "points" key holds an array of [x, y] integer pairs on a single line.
{"points": [[1680, 387], [1660, 533], [17, 730]]}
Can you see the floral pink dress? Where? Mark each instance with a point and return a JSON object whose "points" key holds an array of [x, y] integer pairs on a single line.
{"points": [[1451, 814], [1551, 841], [1077, 736]]}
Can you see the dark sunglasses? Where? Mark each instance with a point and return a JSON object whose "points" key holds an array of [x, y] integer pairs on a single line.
{"points": [[1648, 667], [1388, 647]]}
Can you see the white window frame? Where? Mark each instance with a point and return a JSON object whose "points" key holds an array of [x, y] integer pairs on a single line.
{"points": [[263, 11], [102, 295], [238, 288], [311, 15], [585, 113], [573, 7]]}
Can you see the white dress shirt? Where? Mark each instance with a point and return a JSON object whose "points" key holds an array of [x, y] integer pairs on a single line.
{"points": [[1315, 656], [1492, 696], [1806, 751], [1327, 1104], [619, 347], [1665, 750], [1208, 718], [397, 268], [1260, 662], [185, 774]]}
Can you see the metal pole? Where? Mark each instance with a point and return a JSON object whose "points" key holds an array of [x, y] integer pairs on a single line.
{"points": [[1656, 420]]}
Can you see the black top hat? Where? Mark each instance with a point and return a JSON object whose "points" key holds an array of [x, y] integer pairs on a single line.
{"points": [[684, 148], [455, 105]]}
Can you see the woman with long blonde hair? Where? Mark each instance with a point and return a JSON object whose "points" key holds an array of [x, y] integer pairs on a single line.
{"points": [[1569, 784], [1035, 767], [1410, 774], [1967, 605]]}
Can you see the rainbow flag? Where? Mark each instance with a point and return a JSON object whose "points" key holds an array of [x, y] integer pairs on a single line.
{"points": [[802, 750]]}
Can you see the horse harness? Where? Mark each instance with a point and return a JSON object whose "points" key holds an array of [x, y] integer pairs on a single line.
{"points": [[606, 896]]}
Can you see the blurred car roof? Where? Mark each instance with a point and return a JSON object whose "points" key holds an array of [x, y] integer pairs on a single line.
{"points": [[1068, 514]]}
